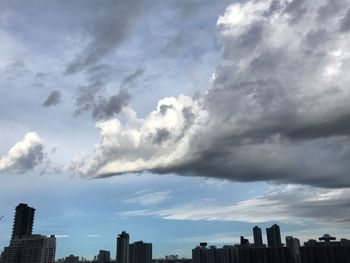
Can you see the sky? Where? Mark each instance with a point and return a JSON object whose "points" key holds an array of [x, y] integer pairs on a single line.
{"points": [[178, 121]]}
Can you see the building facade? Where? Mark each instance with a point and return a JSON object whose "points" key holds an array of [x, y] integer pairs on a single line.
{"points": [[23, 221], [257, 234], [24, 246], [123, 248], [104, 257], [140, 252], [30, 249], [273, 234]]}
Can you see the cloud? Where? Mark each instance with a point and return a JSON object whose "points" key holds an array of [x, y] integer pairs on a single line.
{"points": [[53, 99], [91, 97], [285, 204], [277, 109], [146, 199], [93, 235], [130, 79], [24, 155], [111, 26], [106, 108], [61, 236]]}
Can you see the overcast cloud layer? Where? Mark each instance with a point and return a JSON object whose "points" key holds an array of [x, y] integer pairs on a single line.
{"points": [[277, 108]]}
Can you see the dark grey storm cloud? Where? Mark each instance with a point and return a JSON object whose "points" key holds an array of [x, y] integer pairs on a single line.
{"points": [[110, 27], [345, 25], [277, 108], [53, 99]]}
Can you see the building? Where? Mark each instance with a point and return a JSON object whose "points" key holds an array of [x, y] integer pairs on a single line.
{"points": [[172, 257], [257, 236], [244, 241], [140, 252], [23, 221], [24, 246], [123, 248], [30, 249], [71, 259], [294, 248], [241, 254], [104, 257], [274, 236], [328, 251]]}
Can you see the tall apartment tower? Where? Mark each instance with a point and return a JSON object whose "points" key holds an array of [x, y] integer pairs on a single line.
{"points": [[24, 246], [257, 236], [30, 249], [23, 222], [123, 248], [274, 236], [140, 252]]}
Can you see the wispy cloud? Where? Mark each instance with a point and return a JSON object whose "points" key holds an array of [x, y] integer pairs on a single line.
{"points": [[287, 204], [146, 199], [93, 235], [61, 236]]}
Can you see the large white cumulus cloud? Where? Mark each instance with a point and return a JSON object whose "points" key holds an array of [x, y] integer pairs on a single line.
{"points": [[24, 155], [278, 108]]}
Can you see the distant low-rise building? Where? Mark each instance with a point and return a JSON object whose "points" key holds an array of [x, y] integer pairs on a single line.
{"points": [[71, 259], [104, 257]]}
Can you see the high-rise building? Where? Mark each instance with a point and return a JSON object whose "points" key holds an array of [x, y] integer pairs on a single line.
{"points": [[123, 248], [30, 249], [23, 222], [274, 236], [140, 252], [25, 247], [257, 236], [104, 256]]}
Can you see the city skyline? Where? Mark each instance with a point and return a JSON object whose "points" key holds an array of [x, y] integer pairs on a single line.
{"points": [[34, 248], [177, 121]]}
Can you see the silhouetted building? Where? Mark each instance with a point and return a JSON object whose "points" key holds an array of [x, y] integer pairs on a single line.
{"points": [[325, 252], [71, 259], [294, 248], [327, 238], [257, 236], [140, 252], [123, 248], [104, 256], [172, 257], [23, 221], [244, 241], [199, 254], [241, 254], [30, 249], [25, 247], [274, 236]]}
